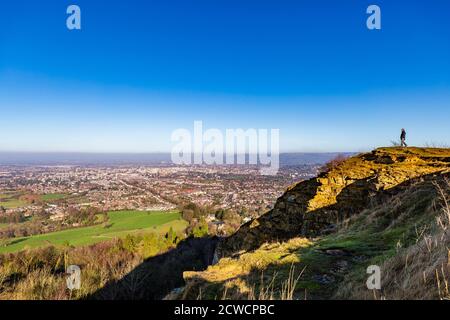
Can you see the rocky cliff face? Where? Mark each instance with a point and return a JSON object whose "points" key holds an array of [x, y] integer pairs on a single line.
{"points": [[314, 207], [359, 210]]}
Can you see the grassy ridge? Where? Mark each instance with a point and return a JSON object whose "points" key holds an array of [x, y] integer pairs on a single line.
{"points": [[121, 224]]}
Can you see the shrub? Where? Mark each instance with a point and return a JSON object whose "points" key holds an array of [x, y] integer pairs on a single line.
{"points": [[201, 229], [333, 163]]}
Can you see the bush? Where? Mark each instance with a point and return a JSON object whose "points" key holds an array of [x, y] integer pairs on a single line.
{"points": [[333, 163]]}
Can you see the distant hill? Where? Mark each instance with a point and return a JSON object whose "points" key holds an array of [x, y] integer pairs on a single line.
{"points": [[79, 158], [291, 159], [389, 208]]}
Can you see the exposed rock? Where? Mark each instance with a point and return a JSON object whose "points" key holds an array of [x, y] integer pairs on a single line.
{"points": [[324, 278], [391, 187], [341, 266], [313, 207], [337, 252]]}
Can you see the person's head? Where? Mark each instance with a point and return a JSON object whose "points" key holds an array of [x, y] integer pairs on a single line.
{"points": [[403, 129]]}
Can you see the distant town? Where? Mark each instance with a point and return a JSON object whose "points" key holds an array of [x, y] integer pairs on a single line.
{"points": [[56, 191]]}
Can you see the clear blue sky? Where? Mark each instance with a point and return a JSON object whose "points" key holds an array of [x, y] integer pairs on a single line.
{"points": [[140, 69]]}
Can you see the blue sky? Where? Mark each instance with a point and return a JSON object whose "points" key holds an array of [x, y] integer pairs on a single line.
{"points": [[140, 69]]}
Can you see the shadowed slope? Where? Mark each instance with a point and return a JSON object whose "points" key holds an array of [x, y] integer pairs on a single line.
{"points": [[156, 276]]}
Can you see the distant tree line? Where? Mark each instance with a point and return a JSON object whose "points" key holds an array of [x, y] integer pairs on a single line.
{"points": [[12, 217], [197, 215], [40, 222]]}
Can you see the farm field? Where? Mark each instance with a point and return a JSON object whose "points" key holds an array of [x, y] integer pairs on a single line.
{"points": [[120, 224], [11, 201], [53, 196]]}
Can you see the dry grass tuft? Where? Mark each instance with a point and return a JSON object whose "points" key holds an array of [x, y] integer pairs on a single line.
{"points": [[422, 270]]}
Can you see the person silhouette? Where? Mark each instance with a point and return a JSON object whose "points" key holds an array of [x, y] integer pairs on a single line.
{"points": [[403, 138]]}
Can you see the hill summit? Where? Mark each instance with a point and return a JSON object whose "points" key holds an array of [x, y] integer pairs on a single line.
{"points": [[388, 208]]}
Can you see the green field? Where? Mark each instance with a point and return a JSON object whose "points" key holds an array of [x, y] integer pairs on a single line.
{"points": [[11, 203], [10, 200], [53, 196], [121, 223], [3, 196]]}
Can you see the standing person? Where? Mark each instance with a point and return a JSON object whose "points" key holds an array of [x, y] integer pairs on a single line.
{"points": [[403, 138]]}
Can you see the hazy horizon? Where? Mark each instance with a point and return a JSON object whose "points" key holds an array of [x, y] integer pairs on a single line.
{"points": [[82, 158]]}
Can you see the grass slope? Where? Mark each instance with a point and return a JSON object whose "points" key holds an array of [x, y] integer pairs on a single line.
{"points": [[121, 224], [404, 229]]}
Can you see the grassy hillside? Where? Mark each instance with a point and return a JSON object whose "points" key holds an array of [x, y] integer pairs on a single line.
{"points": [[120, 224], [388, 208]]}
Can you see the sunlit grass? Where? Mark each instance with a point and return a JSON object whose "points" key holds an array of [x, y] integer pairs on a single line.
{"points": [[120, 224]]}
